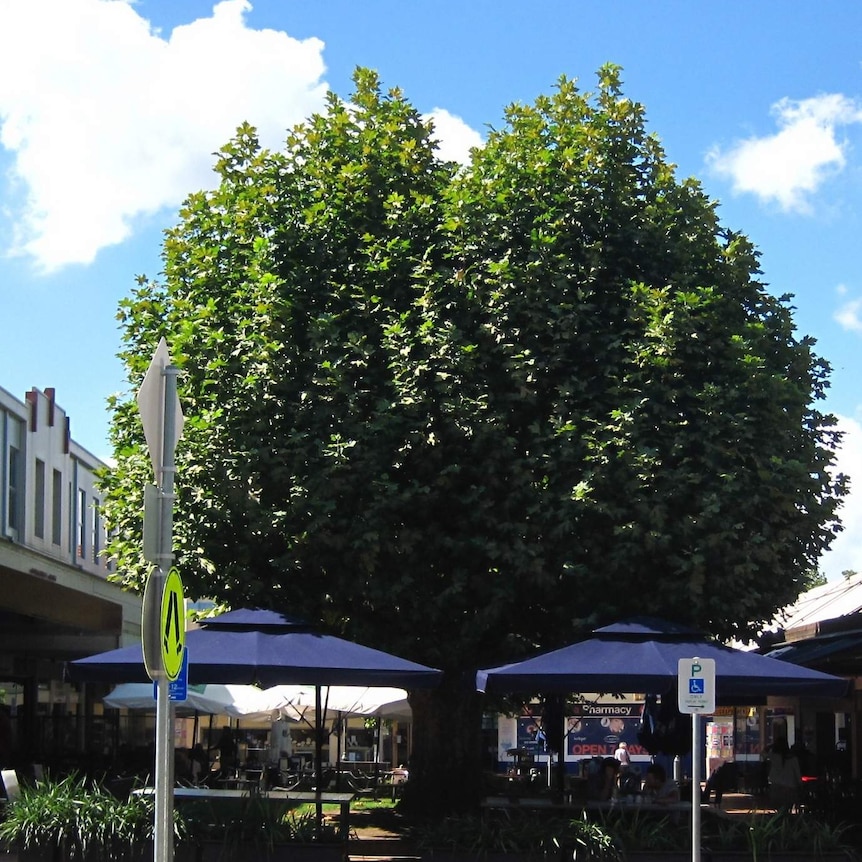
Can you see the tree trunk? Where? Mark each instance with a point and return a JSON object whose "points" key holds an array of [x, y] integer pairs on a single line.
{"points": [[446, 761]]}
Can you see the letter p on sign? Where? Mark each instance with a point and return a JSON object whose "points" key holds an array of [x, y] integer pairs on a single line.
{"points": [[696, 685]]}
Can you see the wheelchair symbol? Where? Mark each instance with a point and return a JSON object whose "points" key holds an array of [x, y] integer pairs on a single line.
{"points": [[696, 686]]}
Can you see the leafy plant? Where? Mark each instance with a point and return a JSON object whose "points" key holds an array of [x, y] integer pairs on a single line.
{"points": [[759, 835], [257, 823], [46, 816], [517, 832], [301, 826], [632, 831], [585, 841], [768, 834], [78, 819]]}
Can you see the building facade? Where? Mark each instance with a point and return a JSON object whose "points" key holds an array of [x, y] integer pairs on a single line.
{"points": [[56, 602]]}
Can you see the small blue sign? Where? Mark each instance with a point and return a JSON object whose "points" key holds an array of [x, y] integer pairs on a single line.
{"points": [[178, 689], [696, 686]]}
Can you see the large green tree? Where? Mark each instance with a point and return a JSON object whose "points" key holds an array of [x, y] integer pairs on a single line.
{"points": [[461, 414]]}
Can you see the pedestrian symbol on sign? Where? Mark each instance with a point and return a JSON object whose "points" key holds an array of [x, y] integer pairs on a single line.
{"points": [[173, 625]]}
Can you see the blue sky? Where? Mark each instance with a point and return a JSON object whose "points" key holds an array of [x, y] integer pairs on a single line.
{"points": [[110, 111]]}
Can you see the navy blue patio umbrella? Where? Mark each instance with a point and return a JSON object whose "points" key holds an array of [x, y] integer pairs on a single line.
{"points": [[642, 654], [266, 648]]}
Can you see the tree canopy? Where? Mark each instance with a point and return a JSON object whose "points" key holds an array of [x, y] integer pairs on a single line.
{"points": [[461, 413]]}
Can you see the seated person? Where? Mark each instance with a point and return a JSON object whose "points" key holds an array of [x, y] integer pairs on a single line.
{"points": [[602, 779], [630, 783], [658, 788], [400, 775]]}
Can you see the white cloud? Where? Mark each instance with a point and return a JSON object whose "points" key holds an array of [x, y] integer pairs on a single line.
{"points": [[846, 552], [789, 166], [849, 315], [107, 120], [454, 137]]}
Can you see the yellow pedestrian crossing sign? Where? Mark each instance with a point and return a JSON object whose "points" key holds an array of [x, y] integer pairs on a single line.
{"points": [[172, 627]]}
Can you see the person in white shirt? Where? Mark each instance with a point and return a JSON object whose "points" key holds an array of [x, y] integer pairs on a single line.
{"points": [[622, 756]]}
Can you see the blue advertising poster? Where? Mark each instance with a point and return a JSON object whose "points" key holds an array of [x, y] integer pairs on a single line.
{"points": [[529, 736], [595, 730]]}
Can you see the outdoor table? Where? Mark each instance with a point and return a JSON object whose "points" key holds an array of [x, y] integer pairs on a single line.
{"points": [[635, 806], [236, 784], [343, 800], [547, 802]]}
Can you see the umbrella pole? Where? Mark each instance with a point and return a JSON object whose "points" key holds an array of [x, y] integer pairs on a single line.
{"points": [[318, 760], [340, 738]]}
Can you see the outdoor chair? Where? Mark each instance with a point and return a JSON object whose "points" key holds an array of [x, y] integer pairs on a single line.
{"points": [[289, 781], [723, 780], [11, 787], [359, 783], [120, 786]]}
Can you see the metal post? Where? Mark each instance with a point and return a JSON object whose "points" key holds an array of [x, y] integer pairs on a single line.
{"points": [[695, 787], [163, 837]]}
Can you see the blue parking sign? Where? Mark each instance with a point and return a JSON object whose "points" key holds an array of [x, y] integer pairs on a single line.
{"points": [[696, 688], [178, 689]]}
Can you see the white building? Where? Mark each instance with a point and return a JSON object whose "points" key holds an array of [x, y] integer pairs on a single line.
{"points": [[56, 603]]}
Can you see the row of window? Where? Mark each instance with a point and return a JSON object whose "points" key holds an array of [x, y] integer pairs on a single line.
{"points": [[45, 492], [81, 514]]}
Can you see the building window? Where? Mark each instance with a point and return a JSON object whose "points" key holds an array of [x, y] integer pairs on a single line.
{"points": [[39, 523], [57, 508], [14, 498], [82, 523], [95, 543]]}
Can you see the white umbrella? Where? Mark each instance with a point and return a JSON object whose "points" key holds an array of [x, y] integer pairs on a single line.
{"points": [[297, 701], [397, 709], [237, 701]]}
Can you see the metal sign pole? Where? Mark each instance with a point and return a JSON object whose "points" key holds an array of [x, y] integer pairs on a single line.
{"points": [[162, 418], [695, 787], [163, 837], [696, 696]]}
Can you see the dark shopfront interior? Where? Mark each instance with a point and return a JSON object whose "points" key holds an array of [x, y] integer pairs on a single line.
{"points": [[43, 719]]}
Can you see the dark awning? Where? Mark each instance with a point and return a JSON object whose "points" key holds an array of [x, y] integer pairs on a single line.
{"points": [[837, 654]]}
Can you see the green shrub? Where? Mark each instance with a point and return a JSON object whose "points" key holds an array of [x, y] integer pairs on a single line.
{"points": [[255, 823], [762, 834], [78, 820], [645, 831], [759, 835], [521, 832]]}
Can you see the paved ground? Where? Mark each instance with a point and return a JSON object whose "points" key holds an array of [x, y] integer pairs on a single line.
{"points": [[736, 804], [376, 836]]}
